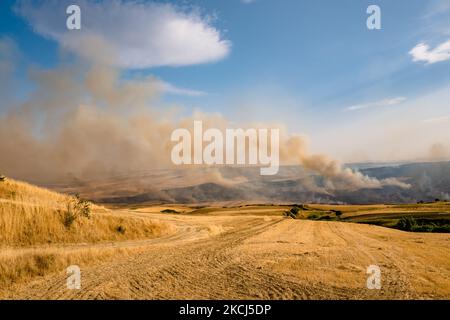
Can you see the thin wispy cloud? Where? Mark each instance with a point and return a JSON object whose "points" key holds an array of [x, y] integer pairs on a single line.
{"points": [[141, 34], [381, 103], [248, 1], [435, 20], [437, 7], [172, 89], [444, 119], [423, 53]]}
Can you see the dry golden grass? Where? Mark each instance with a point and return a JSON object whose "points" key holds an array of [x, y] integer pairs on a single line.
{"points": [[19, 267], [33, 216], [35, 238], [232, 256], [24, 192]]}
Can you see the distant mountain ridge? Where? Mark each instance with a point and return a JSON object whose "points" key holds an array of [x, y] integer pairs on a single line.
{"points": [[429, 181]]}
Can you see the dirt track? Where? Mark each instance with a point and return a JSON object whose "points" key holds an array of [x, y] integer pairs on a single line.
{"points": [[221, 256]]}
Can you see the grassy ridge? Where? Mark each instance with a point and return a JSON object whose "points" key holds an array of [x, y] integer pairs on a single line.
{"points": [[32, 216]]}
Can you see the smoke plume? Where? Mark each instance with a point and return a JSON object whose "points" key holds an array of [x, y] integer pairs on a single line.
{"points": [[87, 121]]}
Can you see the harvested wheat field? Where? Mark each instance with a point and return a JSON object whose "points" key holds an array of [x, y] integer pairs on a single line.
{"points": [[228, 254]]}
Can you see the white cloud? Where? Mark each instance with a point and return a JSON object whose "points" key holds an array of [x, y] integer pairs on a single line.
{"points": [[422, 52], [142, 34], [247, 1], [382, 103]]}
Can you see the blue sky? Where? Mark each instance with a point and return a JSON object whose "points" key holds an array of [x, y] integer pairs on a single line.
{"points": [[309, 64]]}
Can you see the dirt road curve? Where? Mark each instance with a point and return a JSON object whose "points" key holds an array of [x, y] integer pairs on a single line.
{"points": [[262, 257]]}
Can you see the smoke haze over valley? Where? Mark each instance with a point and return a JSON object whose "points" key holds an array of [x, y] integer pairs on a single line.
{"points": [[293, 184], [89, 122]]}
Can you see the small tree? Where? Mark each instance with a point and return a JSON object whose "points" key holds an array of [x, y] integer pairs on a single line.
{"points": [[82, 207], [76, 207]]}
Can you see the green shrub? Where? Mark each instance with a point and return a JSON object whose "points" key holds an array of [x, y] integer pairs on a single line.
{"points": [[425, 228], [444, 229], [293, 212], [407, 224], [338, 213]]}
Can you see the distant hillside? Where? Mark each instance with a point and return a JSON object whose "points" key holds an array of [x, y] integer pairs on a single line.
{"points": [[293, 184]]}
